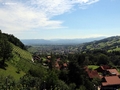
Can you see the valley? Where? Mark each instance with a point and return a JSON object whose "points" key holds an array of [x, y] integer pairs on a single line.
{"points": [[59, 67]]}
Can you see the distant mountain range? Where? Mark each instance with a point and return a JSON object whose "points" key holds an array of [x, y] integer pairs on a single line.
{"points": [[58, 41]]}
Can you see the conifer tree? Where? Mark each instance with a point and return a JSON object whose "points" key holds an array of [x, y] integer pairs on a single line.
{"points": [[5, 49]]}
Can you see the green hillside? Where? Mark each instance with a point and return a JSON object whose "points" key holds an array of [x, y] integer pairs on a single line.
{"points": [[22, 53], [11, 70], [15, 60], [109, 44], [21, 58]]}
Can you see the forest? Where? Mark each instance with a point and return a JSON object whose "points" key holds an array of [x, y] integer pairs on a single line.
{"points": [[50, 71]]}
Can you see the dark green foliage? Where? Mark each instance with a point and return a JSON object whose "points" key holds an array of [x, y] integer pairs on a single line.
{"points": [[30, 81], [64, 75], [76, 73], [51, 79], [96, 81], [5, 49], [14, 40], [38, 71], [61, 85], [103, 60], [7, 83]]}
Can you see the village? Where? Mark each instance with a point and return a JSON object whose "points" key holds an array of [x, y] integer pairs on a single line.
{"points": [[107, 77]]}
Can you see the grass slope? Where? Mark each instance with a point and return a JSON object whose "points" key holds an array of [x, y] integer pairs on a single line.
{"points": [[22, 53], [21, 59], [10, 70]]}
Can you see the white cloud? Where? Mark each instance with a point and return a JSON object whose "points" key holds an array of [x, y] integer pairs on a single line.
{"points": [[85, 2], [25, 15]]}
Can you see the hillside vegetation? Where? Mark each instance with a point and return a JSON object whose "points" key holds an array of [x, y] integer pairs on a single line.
{"points": [[109, 44], [22, 53], [18, 59], [59, 70]]}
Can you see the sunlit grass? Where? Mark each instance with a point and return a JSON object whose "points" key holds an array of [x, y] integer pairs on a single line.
{"points": [[22, 53], [11, 71], [93, 67]]}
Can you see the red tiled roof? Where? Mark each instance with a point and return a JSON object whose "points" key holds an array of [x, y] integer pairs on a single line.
{"points": [[92, 73], [104, 67], [113, 71], [57, 65], [111, 80], [65, 64]]}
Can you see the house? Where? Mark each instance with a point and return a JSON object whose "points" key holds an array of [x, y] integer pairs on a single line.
{"points": [[36, 58], [113, 72], [57, 66], [110, 83], [110, 77], [102, 68], [92, 73]]}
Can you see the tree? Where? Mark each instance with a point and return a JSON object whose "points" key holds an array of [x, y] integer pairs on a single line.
{"points": [[51, 79], [103, 59], [76, 73], [5, 49], [96, 81]]}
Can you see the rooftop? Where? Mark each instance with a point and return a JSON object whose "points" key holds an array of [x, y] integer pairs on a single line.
{"points": [[113, 71], [111, 80]]}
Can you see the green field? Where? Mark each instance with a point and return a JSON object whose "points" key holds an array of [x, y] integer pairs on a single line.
{"points": [[93, 67]]}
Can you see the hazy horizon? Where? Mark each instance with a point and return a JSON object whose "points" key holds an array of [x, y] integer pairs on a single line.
{"points": [[64, 38]]}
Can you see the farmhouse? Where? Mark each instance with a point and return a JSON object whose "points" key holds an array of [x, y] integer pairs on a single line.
{"points": [[110, 83], [110, 78]]}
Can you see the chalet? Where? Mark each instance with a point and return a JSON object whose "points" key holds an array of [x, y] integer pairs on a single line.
{"points": [[110, 83], [92, 73], [102, 68], [110, 77], [113, 72]]}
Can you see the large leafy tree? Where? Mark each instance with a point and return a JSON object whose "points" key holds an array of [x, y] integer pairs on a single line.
{"points": [[5, 49], [103, 59]]}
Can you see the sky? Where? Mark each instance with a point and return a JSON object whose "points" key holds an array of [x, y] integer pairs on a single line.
{"points": [[60, 19]]}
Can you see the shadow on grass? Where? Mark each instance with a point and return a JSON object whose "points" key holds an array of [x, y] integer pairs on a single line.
{"points": [[3, 66]]}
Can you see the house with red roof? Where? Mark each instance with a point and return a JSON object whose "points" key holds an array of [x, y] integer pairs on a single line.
{"points": [[110, 77], [113, 72], [110, 83], [102, 68], [92, 73]]}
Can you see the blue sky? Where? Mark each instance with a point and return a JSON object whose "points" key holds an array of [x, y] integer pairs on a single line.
{"points": [[60, 19]]}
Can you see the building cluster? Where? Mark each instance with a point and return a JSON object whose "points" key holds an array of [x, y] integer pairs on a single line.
{"points": [[110, 77]]}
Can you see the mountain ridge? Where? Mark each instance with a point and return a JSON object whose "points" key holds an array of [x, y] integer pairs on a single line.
{"points": [[58, 41]]}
